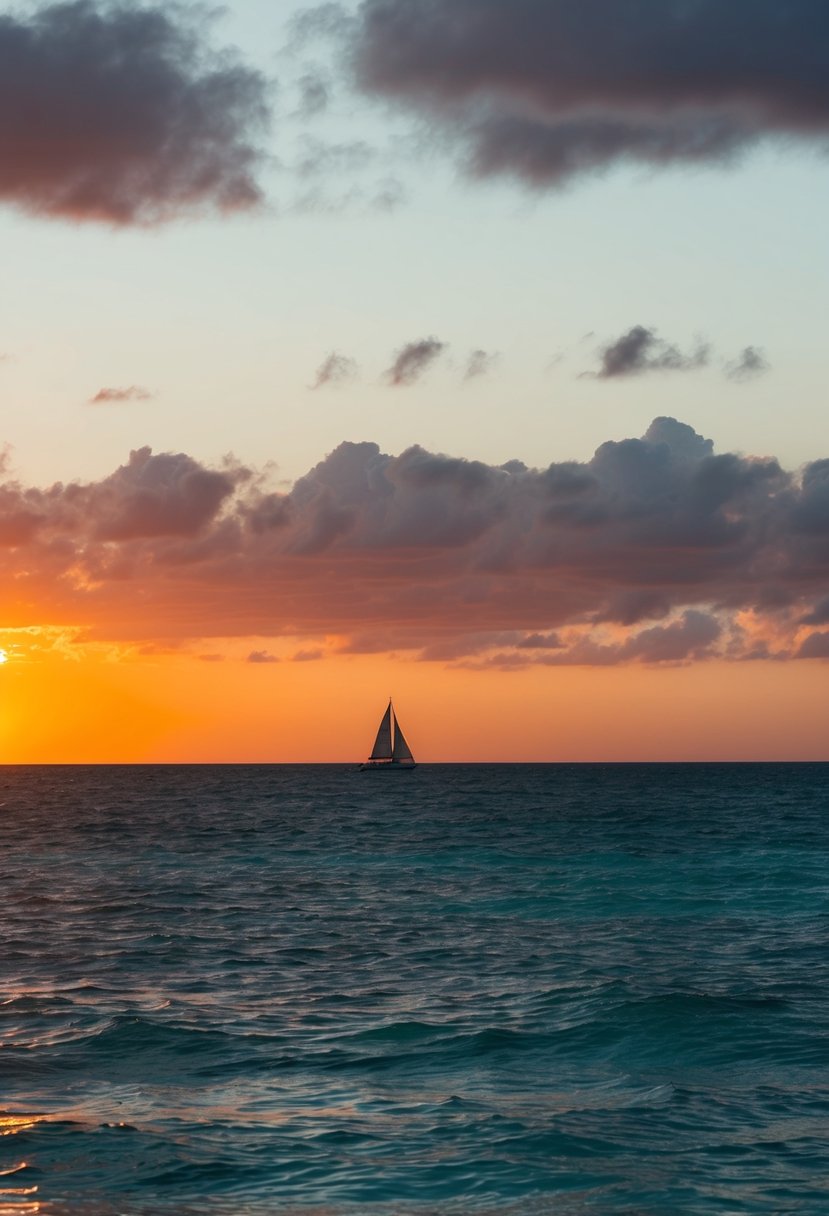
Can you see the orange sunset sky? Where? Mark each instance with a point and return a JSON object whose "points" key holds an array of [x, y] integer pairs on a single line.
{"points": [[341, 358]]}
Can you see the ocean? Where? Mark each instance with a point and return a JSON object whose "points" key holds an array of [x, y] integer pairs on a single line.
{"points": [[513, 989]]}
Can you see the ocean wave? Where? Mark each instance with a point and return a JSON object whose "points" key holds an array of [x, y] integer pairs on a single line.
{"points": [[563, 990]]}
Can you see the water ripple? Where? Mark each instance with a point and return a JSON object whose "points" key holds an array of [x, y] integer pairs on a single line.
{"points": [[515, 990]]}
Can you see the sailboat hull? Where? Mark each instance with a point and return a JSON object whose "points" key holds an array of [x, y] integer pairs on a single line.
{"points": [[396, 765]]}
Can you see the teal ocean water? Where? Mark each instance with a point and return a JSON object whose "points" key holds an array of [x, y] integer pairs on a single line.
{"points": [[578, 990]]}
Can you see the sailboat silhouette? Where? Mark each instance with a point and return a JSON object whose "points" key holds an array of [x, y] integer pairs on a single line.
{"points": [[390, 751]]}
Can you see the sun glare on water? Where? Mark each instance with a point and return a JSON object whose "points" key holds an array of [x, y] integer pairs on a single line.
{"points": [[4, 658]]}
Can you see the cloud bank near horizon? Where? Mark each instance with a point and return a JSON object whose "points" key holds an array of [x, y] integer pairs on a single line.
{"points": [[657, 550], [549, 90], [124, 115]]}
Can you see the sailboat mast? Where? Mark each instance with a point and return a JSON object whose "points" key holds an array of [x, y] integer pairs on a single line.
{"points": [[390, 747]]}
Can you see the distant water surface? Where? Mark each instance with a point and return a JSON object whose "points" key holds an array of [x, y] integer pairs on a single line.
{"points": [[578, 990]]}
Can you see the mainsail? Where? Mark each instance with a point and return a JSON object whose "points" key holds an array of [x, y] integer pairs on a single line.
{"points": [[382, 744], [401, 750]]}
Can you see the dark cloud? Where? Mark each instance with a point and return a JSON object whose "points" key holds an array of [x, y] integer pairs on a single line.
{"points": [[750, 363], [815, 646], [544, 155], [413, 359], [109, 396], [656, 550], [547, 90], [818, 615], [334, 369], [121, 114], [811, 515], [261, 656], [480, 363], [640, 350], [631, 607], [157, 495], [689, 638]]}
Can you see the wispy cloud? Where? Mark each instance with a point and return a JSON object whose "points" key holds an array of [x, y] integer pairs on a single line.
{"points": [[307, 656], [413, 360], [479, 363], [314, 95], [111, 396], [335, 369], [641, 350], [321, 157], [750, 363]]}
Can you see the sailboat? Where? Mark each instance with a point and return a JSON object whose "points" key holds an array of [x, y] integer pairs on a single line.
{"points": [[390, 751]]}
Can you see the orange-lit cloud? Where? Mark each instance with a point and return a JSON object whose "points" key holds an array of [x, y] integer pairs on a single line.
{"points": [[656, 551]]}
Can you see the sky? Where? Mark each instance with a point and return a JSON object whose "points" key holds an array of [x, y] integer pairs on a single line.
{"points": [[464, 351]]}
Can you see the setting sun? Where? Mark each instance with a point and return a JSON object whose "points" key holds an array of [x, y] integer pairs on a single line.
{"points": [[4, 658]]}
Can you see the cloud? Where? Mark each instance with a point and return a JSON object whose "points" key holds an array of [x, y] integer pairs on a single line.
{"points": [[314, 93], [261, 656], [480, 363], [390, 193], [339, 160], [122, 114], [311, 25], [157, 495], [548, 90], [540, 641], [818, 615], [640, 350], [334, 369], [815, 646], [108, 396], [657, 550], [750, 363], [689, 638], [413, 359]]}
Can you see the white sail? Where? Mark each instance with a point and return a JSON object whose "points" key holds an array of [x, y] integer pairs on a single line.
{"points": [[382, 744], [401, 750]]}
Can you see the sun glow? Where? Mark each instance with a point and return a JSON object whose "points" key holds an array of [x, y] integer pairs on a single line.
{"points": [[4, 656]]}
